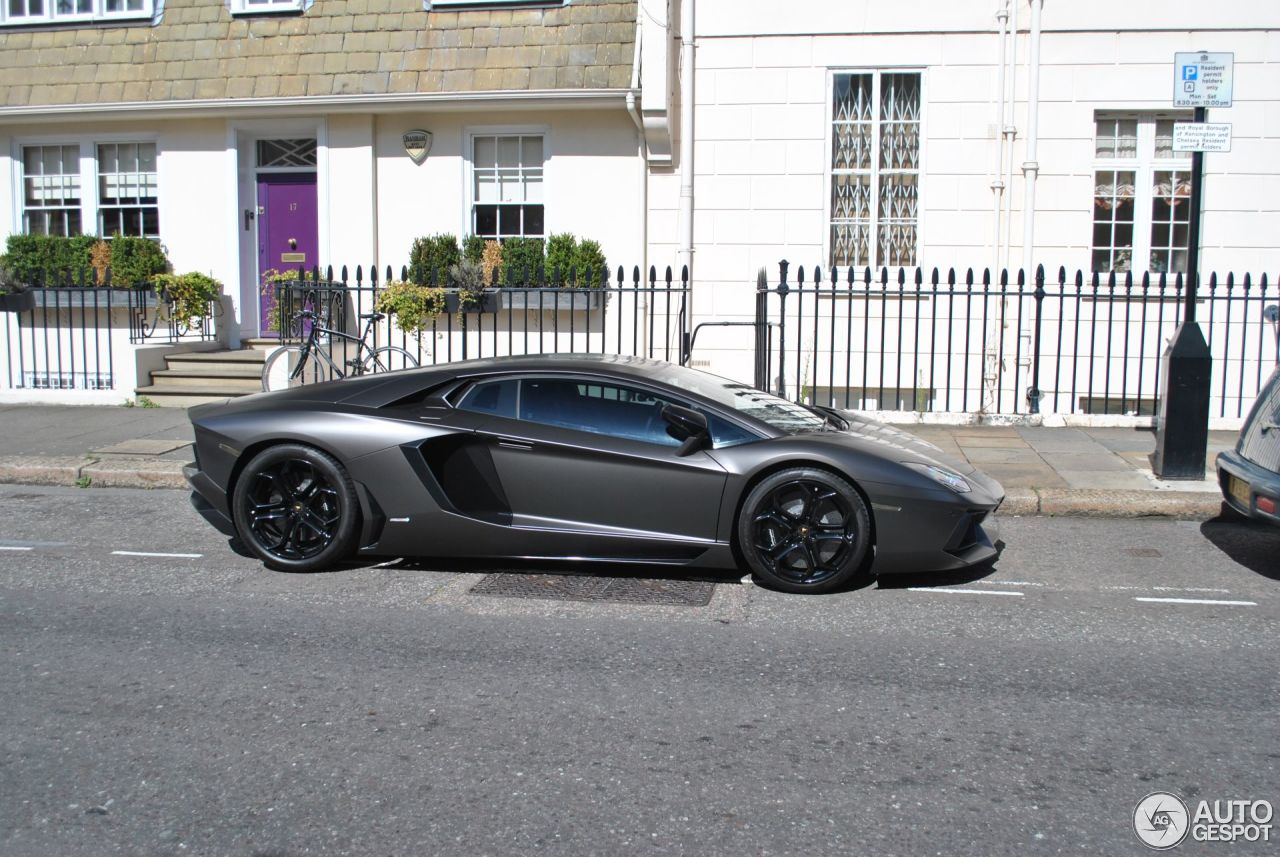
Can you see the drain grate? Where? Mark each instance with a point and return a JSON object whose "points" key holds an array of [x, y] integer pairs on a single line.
{"points": [[573, 587], [1151, 552]]}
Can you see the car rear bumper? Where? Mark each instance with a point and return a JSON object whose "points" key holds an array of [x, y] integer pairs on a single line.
{"points": [[1257, 482]]}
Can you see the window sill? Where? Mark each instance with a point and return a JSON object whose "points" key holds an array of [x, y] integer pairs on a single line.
{"points": [[267, 13], [70, 23]]}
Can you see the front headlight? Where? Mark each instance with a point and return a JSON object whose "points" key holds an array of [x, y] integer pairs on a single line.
{"points": [[954, 481]]}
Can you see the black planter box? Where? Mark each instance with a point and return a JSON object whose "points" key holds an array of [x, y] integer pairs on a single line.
{"points": [[580, 300], [75, 298], [17, 302], [490, 301]]}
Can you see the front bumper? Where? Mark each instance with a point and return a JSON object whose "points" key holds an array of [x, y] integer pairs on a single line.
{"points": [[209, 500], [1259, 482], [936, 531]]}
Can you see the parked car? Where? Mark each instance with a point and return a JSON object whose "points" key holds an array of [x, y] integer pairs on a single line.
{"points": [[583, 457], [1250, 473]]}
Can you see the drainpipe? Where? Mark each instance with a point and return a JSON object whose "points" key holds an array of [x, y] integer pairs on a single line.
{"points": [[997, 184], [633, 108], [1030, 167], [1010, 133], [686, 136]]}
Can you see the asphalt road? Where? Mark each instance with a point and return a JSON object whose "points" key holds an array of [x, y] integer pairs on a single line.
{"points": [[165, 705]]}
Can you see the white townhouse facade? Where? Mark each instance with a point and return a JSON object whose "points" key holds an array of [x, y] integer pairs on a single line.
{"points": [[722, 134]]}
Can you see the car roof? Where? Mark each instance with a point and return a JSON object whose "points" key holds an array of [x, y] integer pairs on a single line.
{"points": [[390, 388]]}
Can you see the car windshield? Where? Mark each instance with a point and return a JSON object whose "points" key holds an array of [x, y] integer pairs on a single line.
{"points": [[765, 407]]}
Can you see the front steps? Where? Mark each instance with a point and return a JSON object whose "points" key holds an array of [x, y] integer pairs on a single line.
{"points": [[197, 377]]}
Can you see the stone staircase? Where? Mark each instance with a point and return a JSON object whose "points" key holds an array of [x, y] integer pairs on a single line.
{"points": [[198, 377]]}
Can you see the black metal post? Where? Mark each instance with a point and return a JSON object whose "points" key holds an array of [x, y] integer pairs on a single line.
{"points": [[1033, 394], [762, 331], [1182, 433], [783, 288]]}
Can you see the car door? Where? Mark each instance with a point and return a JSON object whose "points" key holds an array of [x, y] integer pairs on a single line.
{"points": [[592, 455]]}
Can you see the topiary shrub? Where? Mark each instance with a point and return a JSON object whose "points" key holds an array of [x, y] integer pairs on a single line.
{"points": [[491, 261], [432, 257], [473, 249], [521, 258], [590, 262], [562, 251], [48, 260], [136, 261]]}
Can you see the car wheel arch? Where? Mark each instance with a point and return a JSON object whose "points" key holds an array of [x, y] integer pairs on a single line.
{"points": [[787, 464], [253, 449]]}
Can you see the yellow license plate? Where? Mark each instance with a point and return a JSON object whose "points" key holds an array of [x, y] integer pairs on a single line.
{"points": [[1240, 490]]}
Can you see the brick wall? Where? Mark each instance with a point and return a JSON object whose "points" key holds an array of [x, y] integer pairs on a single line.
{"points": [[337, 47]]}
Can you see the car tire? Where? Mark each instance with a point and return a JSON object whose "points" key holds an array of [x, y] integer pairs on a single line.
{"points": [[804, 530], [295, 508]]}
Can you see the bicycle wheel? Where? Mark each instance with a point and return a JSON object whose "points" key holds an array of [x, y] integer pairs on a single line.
{"points": [[388, 358], [282, 369]]}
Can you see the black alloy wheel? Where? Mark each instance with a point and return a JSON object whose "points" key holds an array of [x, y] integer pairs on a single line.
{"points": [[804, 530], [296, 509]]}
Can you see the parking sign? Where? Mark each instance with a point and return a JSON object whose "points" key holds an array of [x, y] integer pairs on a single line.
{"points": [[1202, 79]]}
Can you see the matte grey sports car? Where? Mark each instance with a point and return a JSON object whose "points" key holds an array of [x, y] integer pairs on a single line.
{"points": [[585, 458]]}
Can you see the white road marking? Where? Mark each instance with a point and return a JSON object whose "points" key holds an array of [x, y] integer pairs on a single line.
{"points": [[1016, 583], [149, 553], [1199, 601], [964, 591], [13, 548], [1189, 589]]}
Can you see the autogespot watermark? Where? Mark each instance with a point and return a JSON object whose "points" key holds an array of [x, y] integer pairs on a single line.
{"points": [[1163, 820]]}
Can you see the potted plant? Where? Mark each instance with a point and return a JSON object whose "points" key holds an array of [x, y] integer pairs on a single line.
{"points": [[470, 292], [415, 307], [189, 296], [14, 296], [574, 269], [431, 257]]}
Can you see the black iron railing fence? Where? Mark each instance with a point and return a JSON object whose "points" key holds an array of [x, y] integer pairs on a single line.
{"points": [[1005, 343], [523, 314], [62, 337]]}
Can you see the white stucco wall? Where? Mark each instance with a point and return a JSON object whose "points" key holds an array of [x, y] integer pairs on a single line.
{"points": [[762, 120], [592, 178]]}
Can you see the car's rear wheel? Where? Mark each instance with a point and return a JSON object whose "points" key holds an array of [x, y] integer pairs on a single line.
{"points": [[804, 530], [295, 508]]}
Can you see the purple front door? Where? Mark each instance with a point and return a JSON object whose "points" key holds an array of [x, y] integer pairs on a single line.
{"points": [[287, 234]]}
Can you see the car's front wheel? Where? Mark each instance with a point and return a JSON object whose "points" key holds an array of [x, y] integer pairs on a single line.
{"points": [[804, 530], [295, 508]]}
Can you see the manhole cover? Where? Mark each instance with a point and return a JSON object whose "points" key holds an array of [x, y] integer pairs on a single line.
{"points": [[572, 587], [1151, 552]]}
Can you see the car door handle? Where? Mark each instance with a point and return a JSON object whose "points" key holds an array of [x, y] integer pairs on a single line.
{"points": [[513, 443], [1268, 426]]}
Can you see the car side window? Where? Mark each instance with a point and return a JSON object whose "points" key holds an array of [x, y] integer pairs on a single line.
{"points": [[492, 397], [725, 433], [615, 410]]}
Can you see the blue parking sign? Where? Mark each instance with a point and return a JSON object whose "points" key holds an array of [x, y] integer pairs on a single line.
{"points": [[1190, 72]]}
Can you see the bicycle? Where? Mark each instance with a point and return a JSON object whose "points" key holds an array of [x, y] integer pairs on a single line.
{"points": [[295, 365]]}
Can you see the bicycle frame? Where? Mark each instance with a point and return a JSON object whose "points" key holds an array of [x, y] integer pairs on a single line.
{"points": [[311, 348]]}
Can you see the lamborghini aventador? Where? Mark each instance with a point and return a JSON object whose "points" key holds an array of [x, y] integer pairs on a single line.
{"points": [[577, 457]]}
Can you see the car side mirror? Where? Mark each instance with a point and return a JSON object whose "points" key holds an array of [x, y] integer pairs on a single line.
{"points": [[688, 426]]}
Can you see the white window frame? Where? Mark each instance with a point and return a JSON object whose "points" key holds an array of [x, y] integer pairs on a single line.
{"points": [[266, 7], [99, 13], [20, 184], [468, 178], [89, 197], [1144, 165], [829, 172]]}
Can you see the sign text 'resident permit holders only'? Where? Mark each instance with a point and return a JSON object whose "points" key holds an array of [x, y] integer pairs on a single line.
{"points": [[1202, 79]]}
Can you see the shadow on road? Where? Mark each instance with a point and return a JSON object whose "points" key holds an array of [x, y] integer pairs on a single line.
{"points": [[1254, 545]]}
